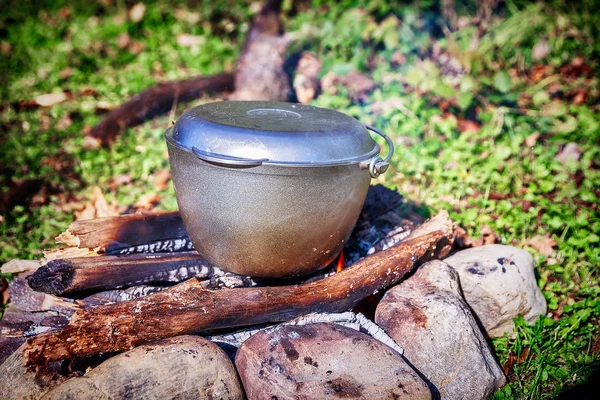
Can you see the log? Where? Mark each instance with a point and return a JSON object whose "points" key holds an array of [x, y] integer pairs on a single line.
{"points": [[165, 232], [113, 272], [190, 308], [158, 100], [111, 234]]}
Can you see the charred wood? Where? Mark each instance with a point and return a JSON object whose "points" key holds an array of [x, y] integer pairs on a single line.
{"points": [[190, 308], [110, 272], [112, 234]]}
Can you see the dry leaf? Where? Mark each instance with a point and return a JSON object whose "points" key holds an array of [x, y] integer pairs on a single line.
{"points": [[161, 179], [543, 244], [540, 50], [188, 16], [190, 41], [531, 140], [571, 152], [66, 73], [5, 47], [119, 180], [468, 126], [123, 40], [64, 123], [136, 47], [50, 99], [97, 207], [91, 143], [147, 201], [136, 13]]}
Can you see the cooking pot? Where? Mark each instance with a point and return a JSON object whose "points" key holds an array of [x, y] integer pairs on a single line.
{"points": [[271, 189]]}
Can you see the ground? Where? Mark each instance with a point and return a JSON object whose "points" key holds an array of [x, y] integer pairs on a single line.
{"points": [[496, 121]]}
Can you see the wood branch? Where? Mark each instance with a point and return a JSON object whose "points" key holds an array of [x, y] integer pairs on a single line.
{"points": [[111, 272], [158, 100], [190, 308], [114, 233]]}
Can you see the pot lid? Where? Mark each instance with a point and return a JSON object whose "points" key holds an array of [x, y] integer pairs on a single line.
{"points": [[239, 132]]}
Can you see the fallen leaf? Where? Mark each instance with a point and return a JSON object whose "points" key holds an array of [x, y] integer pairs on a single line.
{"points": [[123, 40], [97, 207], [50, 99], [539, 72], [119, 180], [64, 12], [64, 123], [190, 41], [161, 179], [136, 47], [532, 139], [187, 16], [136, 13], [66, 73], [91, 143], [147, 201], [540, 50], [468, 126], [571, 152], [5, 47], [543, 244], [580, 96]]}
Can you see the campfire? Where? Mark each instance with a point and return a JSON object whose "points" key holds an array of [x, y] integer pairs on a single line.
{"points": [[140, 280]]}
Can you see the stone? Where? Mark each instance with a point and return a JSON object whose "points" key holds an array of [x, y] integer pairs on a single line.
{"points": [[182, 367], [321, 361], [499, 283], [427, 315]]}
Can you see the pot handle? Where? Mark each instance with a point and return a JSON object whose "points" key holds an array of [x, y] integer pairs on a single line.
{"points": [[378, 166], [227, 160]]}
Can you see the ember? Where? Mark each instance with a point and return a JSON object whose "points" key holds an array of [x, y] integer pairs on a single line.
{"points": [[341, 262]]}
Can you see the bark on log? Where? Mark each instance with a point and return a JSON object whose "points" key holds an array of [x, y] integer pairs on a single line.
{"points": [[190, 308], [111, 272]]}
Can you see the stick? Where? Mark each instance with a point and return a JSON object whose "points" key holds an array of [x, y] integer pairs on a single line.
{"points": [[111, 272], [189, 308], [158, 100]]}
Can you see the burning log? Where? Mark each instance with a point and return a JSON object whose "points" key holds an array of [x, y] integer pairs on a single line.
{"points": [[190, 308], [110, 272]]}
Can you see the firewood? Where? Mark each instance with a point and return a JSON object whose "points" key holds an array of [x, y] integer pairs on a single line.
{"points": [[190, 308], [114, 233], [158, 100], [110, 272]]}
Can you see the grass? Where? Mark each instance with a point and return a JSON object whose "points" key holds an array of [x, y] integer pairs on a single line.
{"points": [[479, 120]]}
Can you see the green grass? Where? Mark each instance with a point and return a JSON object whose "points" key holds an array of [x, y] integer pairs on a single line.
{"points": [[495, 176]]}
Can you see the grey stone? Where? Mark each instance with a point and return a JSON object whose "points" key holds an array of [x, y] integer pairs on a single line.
{"points": [[428, 317], [182, 367], [322, 361], [499, 283]]}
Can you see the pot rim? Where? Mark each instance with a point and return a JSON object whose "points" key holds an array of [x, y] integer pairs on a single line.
{"points": [[237, 162]]}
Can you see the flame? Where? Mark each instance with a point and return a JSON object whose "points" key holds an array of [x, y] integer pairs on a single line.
{"points": [[341, 262]]}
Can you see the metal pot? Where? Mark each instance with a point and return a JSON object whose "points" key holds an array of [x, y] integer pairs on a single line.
{"points": [[271, 189]]}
